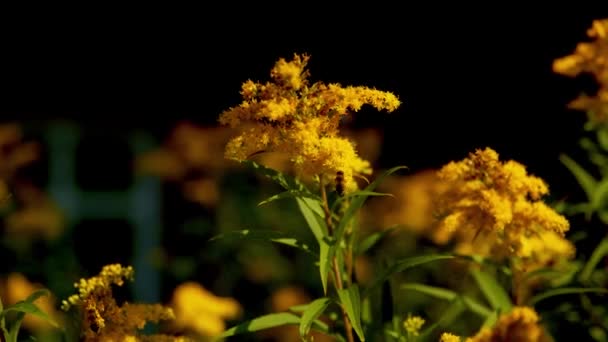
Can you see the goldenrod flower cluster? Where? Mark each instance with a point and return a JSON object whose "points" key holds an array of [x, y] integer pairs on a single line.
{"points": [[291, 116], [494, 208], [590, 57], [521, 324], [103, 318]]}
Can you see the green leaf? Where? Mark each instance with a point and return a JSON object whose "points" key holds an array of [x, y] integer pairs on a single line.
{"points": [[492, 290], [598, 253], [402, 265], [285, 181], [358, 201], [359, 193], [270, 321], [491, 319], [351, 301], [372, 240], [455, 309], [28, 307], [599, 195], [310, 210], [22, 308], [266, 235], [565, 290], [586, 181], [288, 194], [312, 312], [602, 138], [449, 295]]}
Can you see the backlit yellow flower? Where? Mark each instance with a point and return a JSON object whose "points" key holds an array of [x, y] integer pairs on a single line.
{"points": [[291, 116], [493, 208], [590, 57]]}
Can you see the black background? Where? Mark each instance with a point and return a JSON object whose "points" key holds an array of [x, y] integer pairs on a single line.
{"points": [[468, 77]]}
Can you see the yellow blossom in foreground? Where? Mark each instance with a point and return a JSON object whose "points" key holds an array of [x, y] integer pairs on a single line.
{"points": [[494, 208], [291, 116], [103, 318], [521, 324], [16, 288], [590, 57], [201, 311], [447, 337], [412, 325]]}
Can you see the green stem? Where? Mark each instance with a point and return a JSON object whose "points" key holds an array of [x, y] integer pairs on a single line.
{"points": [[336, 267]]}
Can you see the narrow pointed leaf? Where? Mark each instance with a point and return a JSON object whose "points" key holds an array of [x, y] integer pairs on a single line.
{"points": [[586, 180], [266, 235], [287, 194], [449, 295], [494, 293], [372, 240], [455, 309], [358, 201], [351, 301], [310, 210], [599, 195], [27, 306], [270, 321], [312, 312], [598, 253], [404, 264], [565, 290]]}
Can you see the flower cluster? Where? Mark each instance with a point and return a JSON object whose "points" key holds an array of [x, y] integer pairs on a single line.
{"points": [[590, 57], [103, 318], [520, 324], [494, 208], [301, 120]]}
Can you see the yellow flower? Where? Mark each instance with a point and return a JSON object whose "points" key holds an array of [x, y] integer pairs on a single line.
{"points": [[590, 57], [491, 207], [412, 325], [521, 324], [190, 157], [291, 116], [201, 311], [103, 318]]}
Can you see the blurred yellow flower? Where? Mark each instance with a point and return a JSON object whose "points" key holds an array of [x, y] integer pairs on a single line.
{"points": [[38, 218], [494, 208], [521, 324], [199, 310], [301, 120], [590, 57], [14, 154], [411, 205], [190, 157], [17, 287], [447, 337], [412, 325]]}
